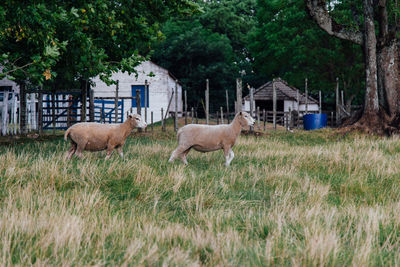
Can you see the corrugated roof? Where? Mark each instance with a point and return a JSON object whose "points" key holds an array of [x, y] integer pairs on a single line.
{"points": [[283, 92]]}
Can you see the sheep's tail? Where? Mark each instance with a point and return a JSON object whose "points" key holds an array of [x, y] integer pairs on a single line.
{"points": [[66, 134], [179, 133]]}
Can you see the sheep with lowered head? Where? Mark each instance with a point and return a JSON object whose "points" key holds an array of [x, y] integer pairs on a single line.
{"points": [[92, 136], [206, 138]]}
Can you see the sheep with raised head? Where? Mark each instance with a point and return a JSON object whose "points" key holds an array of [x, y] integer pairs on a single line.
{"points": [[206, 138], [91, 136]]}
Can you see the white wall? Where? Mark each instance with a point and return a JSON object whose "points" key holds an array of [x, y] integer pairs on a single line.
{"points": [[160, 89], [302, 107], [286, 105]]}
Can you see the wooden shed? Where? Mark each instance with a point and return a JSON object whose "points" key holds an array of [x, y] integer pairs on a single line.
{"points": [[286, 96]]}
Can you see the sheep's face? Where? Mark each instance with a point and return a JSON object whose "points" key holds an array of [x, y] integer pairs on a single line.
{"points": [[246, 119], [136, 121]]}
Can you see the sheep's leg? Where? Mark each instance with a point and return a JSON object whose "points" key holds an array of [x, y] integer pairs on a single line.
{"points": [[228, 155], [183, 156], [120, 152], [71, 151], [177, 153], [110, 149], [231, 156], [79, 150]]}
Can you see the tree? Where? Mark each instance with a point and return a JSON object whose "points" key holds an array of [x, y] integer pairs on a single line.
{"points": [[195, 54], [377, 34], [210, 44], [65, 42], [286, 43]]}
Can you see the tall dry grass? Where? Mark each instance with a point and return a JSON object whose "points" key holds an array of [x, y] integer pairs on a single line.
{"points": [[301, 199]]}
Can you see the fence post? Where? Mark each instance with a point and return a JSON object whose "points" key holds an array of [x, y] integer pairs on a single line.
{"points": [[197, 118], [146, 102], [91, 105], [53, 111], [103, 118], [337, 103], [251, 101], [274, 103], [332, 119], [22, 108], [83, 99], [306, 90], [176, 106], [222, 115], [264, 119], [33, 111], [251, 106], [217, 117], [227, 105], [238, 95], [116, 102], [320, 101], [207, 96], [162, 120], [14, 113], [40, 113], [192, 113], [185, 108], [138, 105], [152, 126], [4, 116], [298, 108], [258, 118]]}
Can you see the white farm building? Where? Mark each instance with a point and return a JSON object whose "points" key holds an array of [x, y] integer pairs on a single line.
{"points": [[161, 84], [286, 97]]}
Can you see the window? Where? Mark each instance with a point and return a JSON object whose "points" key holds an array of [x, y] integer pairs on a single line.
{"points": [[142, 96], [4, 89]]}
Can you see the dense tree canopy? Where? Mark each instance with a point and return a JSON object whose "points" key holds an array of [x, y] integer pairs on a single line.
{"points": [[288, 44], [75, 40], [212, 45]]}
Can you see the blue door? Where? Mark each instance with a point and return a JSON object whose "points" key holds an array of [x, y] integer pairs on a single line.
{"points": [[142, 100]]}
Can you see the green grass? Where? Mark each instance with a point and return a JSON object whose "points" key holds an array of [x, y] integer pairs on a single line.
{"points": [[303, 198]]}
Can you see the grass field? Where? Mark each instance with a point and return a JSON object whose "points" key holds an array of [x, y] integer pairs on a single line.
{"points": [[294, 199]]}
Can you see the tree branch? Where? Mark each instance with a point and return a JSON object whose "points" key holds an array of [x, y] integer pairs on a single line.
{"points": [[382, 17], [317, 10], [17, 68]]}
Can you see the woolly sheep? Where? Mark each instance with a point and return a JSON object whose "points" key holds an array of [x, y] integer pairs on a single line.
{"points": [[206, 138], [92, 136]]}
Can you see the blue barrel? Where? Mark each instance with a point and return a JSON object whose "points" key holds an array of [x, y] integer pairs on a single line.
{"points": [[315, 121]]}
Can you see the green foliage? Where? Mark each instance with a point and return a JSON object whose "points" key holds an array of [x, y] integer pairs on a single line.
{"points": [[195, 53], [75, 41], [210, 44], [288, 44]]}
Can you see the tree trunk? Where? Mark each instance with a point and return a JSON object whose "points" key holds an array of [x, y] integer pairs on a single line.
{"points": [[388, 79], [381, 113]]}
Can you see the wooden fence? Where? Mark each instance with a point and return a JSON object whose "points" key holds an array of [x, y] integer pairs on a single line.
{"points": [[47, 110]]}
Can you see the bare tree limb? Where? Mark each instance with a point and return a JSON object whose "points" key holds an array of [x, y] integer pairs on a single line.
{"points": [[317, 10]]}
